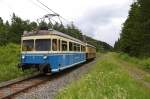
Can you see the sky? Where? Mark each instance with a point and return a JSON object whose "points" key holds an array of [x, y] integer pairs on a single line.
{"points": [[99, 19]]}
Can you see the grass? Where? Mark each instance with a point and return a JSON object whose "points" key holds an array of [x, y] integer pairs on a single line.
{"points": [[106, 80], [9, 58], [142, 63]]}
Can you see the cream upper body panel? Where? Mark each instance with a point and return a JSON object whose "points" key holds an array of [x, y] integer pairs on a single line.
{"points": [[53, 35], [46, 34]]}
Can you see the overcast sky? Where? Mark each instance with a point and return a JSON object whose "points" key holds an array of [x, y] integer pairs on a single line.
{"points": [[100, 19]]}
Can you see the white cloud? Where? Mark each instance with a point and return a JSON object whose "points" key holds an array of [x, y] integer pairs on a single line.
{"points": [[100, 19], [104, 22]]}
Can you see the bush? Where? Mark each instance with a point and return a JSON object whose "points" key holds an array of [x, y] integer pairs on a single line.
{"points": [[9, 54], [9, 58], [144, 63], [124, 56]]}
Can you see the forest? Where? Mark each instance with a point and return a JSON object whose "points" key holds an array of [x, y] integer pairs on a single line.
{"points": [[135, 35], [10, 32]]}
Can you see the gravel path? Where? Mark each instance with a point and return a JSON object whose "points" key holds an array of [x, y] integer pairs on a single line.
{"points": [[137, 74], [51, 88]]}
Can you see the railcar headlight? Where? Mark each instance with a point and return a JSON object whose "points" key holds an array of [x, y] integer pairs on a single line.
{"points": [[45, 57], [23, 57]]}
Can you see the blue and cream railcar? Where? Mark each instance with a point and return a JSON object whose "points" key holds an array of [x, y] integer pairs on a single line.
{"points": [[51, 51]]}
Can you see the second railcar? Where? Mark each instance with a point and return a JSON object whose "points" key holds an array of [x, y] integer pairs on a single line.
{"points": [[90, 52]]}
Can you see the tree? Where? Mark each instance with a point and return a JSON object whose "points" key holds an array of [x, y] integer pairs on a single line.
{"points": [[145, 26], [11, 32], [4, 28], [16, 29], [135, 35]]}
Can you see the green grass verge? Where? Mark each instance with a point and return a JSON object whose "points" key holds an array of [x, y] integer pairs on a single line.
{"points": [[142, 63], [9, 58], [107, 80]]}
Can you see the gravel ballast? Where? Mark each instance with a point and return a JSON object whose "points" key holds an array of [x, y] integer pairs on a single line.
{"points": [[52, 87]]}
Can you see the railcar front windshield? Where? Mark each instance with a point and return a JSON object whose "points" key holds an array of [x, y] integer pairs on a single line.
{"points": [[27, 45], [43, 45]]}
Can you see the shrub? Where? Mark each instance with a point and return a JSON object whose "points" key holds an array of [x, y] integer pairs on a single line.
{"points": [[9, 58], [124, 56], [146, 63]]}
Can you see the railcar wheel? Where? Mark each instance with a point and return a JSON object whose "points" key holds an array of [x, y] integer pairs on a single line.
{"points": [[45, 68]]}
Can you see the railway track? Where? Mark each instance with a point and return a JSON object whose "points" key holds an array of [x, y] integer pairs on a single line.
{"points": [[7, 91]]}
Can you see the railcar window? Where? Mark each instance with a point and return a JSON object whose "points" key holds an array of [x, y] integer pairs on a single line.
{"points": [[82, 48], [28, 45], [43, 45], [70, 46], [78, 47], [64, 46], [54, 44], [75, 46], [58, 45]]}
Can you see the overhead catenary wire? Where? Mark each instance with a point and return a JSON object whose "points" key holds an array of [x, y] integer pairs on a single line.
{"points": [[32, 1], [57, 15], [52, 11], [47, 7]]}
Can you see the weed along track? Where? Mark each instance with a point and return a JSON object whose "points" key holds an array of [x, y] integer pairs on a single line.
{"points": [[56, 82], [11, 89], [27, 85]]}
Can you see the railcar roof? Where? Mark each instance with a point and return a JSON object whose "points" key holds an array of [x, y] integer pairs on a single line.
{"points": [[90, 45], [49, 32], [52, 32]]}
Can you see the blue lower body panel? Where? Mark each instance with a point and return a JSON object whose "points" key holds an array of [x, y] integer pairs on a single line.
{"points": [[56, 61]]}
